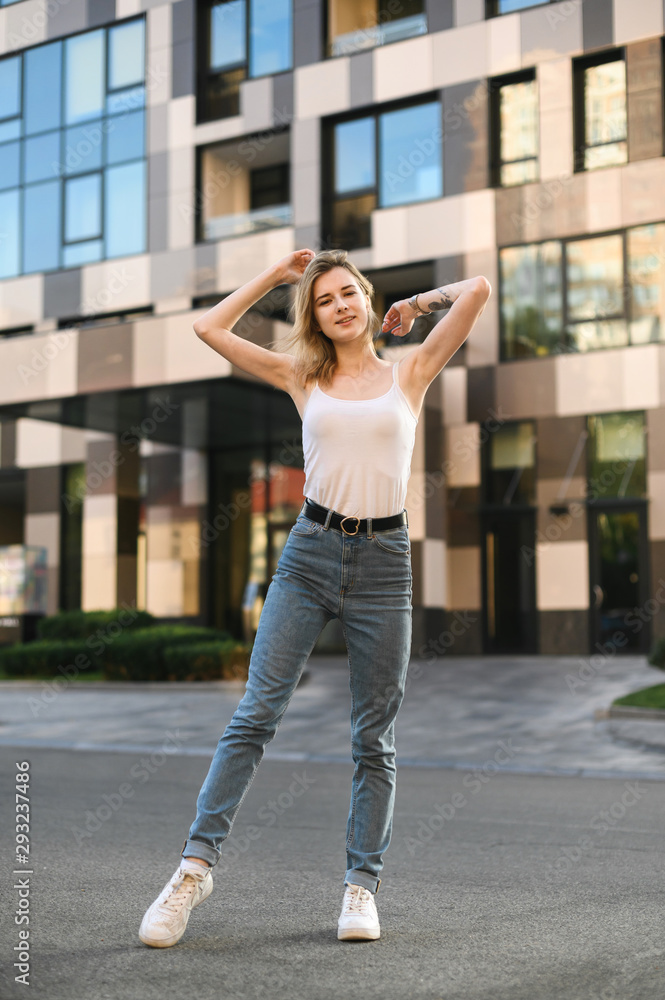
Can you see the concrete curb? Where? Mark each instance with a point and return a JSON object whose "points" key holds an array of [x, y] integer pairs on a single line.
{"points": [[630, 712], [172, 686]]}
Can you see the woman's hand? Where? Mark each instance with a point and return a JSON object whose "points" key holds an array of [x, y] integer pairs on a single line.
{"points": [[290, 269], [400, 318]]}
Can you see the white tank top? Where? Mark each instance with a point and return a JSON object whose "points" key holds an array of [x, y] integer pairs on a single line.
{"points": [[358, 451]]}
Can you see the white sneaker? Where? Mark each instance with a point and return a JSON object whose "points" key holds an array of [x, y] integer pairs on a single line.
{"points": [[165, 921], [359, 920]]}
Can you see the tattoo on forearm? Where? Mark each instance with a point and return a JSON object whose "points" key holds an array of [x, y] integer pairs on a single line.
{"points": [[444, 302]]}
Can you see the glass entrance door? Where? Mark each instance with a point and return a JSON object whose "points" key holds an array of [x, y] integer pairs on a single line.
{"points": [[509, 582], [618, 577]]}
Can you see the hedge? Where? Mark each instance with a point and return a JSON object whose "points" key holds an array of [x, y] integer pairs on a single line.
{"points": [[657, 655], [48, 659], [208, 661], [141, 655], [84, 624]]}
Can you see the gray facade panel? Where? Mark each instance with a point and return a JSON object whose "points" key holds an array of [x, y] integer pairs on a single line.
{"points": [[282, 98], [307, 32], [308, 236], [100, 12], [480, 393], [361, 79], [62, 293], [182, 69], [205, 268], [447, 270], [158, 174], [182, 23], [597, 24], [157, 226], [563, 633], [42, 489], [439, 14], [67, 20]]}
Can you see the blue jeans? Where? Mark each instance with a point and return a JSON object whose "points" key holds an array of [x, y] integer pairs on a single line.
{"points": [[365, 581]]}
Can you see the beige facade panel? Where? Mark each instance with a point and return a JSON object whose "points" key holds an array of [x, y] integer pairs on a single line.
{"points": [[306, 194], [403, 68], [159, 72], [116, 285], [565, 527], [322, 88], [241, 259], [44, 530], [482, 345], [22, 26], [603, 199], [100, 515], [656, 491], [504, 45], [551, 31], [256, 103], [165, 587], [556, 145], [21, 299], [460, 54], [464, 578], [633, 21], [389, 237], [643, 191], [588, 383], [38, 367], [641, 385], [38, 442], [469, 11], [186, 357], [526, 389], [555, 208], [462, 462], [99, 575], [105, 358], [127, 8], [454, 382], [435, 576], [149, 352], [181, 117], [562, 575], [158, 33]]}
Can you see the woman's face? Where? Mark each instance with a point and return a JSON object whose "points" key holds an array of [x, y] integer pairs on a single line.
{"points": [[341, 308]]}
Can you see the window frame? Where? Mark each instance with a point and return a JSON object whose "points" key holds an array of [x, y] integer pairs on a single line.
{"points": [[327, 42], [626, 289], [495, 85], [579, 68], [328, 126], [486, 469]]}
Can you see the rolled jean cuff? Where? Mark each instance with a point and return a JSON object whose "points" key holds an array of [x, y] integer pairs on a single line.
{"points": [[365, 879], [195, 849]]}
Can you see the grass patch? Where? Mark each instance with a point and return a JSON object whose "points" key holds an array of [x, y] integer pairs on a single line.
{"points": [[651, 697]]}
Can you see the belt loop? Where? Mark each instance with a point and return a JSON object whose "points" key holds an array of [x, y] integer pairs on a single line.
{"points": [[327, 521], [369, 527], [407, 517]]}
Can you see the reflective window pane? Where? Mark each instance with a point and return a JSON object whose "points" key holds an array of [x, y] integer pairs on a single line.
{"points": [[352, 221], [646, 273], [506, 6], [125, 100], [10, 87], [270, 36], [42, 88], [10, 160], [124, 140], [9, 213], [10, 129], [227, 34], [126, 55], [84, 79], [518, 124], [83, 208], [511, 467], [355, 156], [531, 300], [605, 119], [594, 272], [82, 253], [411, 167], [83, 148], [617, 455], [41, 226], [41, 157], [125, 210]]}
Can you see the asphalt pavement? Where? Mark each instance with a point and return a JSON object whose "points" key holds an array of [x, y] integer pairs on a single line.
{"points": [[526, 860]]}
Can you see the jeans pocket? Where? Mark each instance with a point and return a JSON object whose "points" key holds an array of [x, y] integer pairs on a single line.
{"points": [[396, 541], [305, 526]]}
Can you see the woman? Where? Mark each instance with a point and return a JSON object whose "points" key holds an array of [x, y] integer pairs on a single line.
{"points": [[347, 556]]}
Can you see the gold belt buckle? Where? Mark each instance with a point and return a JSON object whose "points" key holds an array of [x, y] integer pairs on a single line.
{"points": [[352, 517]]}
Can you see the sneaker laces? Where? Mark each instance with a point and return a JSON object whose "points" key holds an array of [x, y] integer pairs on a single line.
{"points": [[357, 899], [180, 893]]}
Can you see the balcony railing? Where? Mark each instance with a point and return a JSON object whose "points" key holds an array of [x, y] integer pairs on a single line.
{"points": [[254, 221], [379, 34]]}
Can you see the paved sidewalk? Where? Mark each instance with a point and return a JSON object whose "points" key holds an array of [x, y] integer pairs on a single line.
{"points": [[536, 713]]}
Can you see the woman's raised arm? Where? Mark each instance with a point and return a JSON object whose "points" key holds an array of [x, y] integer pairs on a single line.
{"points": [[215, 326]]}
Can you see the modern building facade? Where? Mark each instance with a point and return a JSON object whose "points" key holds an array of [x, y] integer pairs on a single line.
{"points": [[156, 155]]}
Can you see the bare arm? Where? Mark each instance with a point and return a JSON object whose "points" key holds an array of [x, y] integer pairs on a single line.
{"points": [[465, 300], [214, 326]]}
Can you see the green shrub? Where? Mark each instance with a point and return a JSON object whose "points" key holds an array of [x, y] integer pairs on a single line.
{"points": [[141, 655], [657, 655], [49, 659], [83, 624], [208, 661]]}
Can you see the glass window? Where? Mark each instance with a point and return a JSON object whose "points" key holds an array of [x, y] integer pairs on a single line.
{"points": [[531, 300], [42, 88], [83, 253], [41, 157], [507, 6], [594, 276], [41, 227], [125, 138], [10, 160], [270, 38], [227, 34], [126, 55], [125, 210], [10, 87], [84, 79], [518, 133], [617, 455], [411, 166], [354, 25], [512, 464], [605, 119], [355, 155], [83, 148], [9, 213], [646, 274], [83, 200]]}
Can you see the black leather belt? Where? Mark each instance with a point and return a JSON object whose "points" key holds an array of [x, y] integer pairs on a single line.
{"points": [[352, 525]]}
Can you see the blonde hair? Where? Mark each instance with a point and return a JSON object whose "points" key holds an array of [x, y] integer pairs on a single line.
{"points": [[313, 351]]}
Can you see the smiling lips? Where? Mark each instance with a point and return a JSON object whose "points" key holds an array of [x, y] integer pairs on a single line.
{"points": [[347, 319]]}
